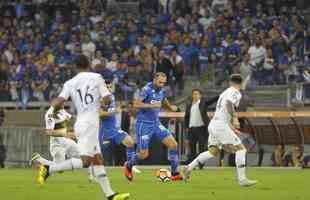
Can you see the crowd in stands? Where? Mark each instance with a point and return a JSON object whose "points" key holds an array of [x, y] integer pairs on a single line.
{"points": [[267, 44], [294, 158]]}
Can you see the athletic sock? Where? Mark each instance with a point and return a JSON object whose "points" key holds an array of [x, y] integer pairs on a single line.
{"points": [[173, 157], [90, 172], [200, 160], [73, 163], [240, 164], [133, 160], [130, 152], [103, 180], [44, 161]]}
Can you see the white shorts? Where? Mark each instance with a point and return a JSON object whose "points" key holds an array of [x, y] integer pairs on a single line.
{"points": [[87, 138], [220, 133], [62, 148]]}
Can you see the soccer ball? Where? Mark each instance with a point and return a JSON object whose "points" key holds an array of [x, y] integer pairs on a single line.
{"points": [[163, 175]]}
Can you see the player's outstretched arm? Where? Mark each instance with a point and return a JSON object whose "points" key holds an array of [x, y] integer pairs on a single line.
{"points": [[138, 103], [106, 113], [171, 107], [55, 133]]}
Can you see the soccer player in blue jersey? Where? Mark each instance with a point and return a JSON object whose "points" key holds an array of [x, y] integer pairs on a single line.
{"points": [[148, 104], [109, 133]]}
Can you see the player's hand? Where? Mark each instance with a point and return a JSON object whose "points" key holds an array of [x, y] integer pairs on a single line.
{"points": [[156, 105], [174, 108], [236, 123], [237, 131], [71, 136]]}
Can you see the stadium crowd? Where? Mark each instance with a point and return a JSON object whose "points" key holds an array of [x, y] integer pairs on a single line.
{"points": [[266, 43]]}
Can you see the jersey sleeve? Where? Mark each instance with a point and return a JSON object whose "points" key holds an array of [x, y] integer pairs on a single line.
{"points": [[143, 93], [103, 90], [65, 93], [235, 97]]}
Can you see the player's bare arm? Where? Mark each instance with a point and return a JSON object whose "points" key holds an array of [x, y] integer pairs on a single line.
{"points": [[234, 124], [103, 112], [171, 107], [55, 133], [138, 103]]}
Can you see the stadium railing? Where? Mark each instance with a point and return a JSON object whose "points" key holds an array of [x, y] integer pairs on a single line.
{"points": [[266, 128]]}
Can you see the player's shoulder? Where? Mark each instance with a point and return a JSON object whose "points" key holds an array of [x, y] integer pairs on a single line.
{"points": [[147, 87], [232, 91], [90, 75]]}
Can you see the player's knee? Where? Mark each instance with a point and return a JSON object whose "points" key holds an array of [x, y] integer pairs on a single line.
{"points": [[130, 143], [239, 148], [98, 160], [87, 161], [173, 145], [143, 154]]}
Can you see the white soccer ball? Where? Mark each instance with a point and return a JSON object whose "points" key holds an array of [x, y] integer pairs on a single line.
{"points": [[163, 175]]}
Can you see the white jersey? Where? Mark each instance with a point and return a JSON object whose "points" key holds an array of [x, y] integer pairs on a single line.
{"points": [[230, 94], [86, 90]]}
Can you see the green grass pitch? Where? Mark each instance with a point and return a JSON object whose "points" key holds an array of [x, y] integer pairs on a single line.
{"points": [[211, 184]]}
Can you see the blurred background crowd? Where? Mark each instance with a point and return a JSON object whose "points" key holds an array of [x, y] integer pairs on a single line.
{"points": [[268, 42]]}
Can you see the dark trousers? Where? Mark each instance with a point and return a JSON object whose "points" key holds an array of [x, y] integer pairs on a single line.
{"points": [[197, 135]]}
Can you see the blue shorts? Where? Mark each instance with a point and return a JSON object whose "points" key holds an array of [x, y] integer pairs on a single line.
{"points": [[146, 130], [108, 136]]}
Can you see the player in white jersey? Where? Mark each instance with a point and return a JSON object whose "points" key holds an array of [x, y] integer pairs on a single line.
{"points": [[87, 91], [223, 131], [62, 144]]}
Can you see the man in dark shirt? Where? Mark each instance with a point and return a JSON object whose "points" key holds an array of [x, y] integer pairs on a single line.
{"points": [[197, 121]]}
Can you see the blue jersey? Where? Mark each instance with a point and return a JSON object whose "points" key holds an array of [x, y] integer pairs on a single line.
{"points": [[109, 122], [150, 95]]}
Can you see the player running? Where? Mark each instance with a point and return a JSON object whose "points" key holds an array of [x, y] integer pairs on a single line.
{"points": [[148, 103], [86, 90], [62, 144], [109, 133], [223, 131]]}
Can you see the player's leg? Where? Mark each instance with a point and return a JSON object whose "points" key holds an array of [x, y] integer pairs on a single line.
{"points": [[121, 137], [240, 160], [231, 141], [168, 140], [144, 133], [102, 179], [202, 158], [56, 151], [36, 157], [124, 138], [85, 146], [72, 151]]}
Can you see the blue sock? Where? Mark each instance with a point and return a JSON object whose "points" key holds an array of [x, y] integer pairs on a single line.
{"points": [[132, 160], [130, 152], [173, 157]]}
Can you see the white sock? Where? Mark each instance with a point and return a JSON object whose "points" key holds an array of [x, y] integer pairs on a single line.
{"points": [[90, 172], [73, 163], [103, 180], [240, 164], [44, 161], [202, 158]]}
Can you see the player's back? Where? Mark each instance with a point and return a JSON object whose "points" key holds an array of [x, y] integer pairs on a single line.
{"points": [[221, 113], [85, 90]]}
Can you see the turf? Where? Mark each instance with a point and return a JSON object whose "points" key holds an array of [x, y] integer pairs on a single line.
{"points": [[212, 184]]}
